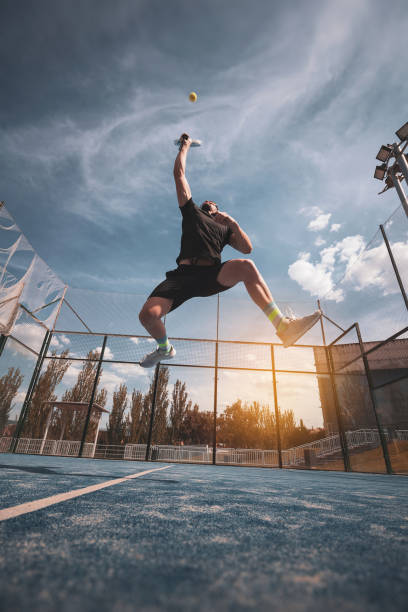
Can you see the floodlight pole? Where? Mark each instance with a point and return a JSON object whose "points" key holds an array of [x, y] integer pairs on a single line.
{"points": [[401, 160], [399, 189]]}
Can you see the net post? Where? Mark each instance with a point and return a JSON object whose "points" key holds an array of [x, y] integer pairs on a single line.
{"points": [[374, 403], [275, 400], [91, 401], [214, 457], [152, 410], [30, 390]]}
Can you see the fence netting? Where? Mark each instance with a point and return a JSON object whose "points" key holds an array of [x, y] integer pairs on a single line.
{"points": [[71, 383]]}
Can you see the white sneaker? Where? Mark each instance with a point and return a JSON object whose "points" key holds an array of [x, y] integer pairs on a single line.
{"points": [[156, 356], [297, 328]]}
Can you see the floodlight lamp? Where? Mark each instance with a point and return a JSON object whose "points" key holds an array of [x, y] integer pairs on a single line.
{"points": [[384, 153], [402, 133], [389, 182], [380, 171]]}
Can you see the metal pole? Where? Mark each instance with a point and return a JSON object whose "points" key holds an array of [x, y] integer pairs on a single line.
{"points": [[149, 437], [400, 191], [275, 399], [30, 390], [394, 265], [374, 402], [3, 340], [59, 307], [214, 458], [342, 435], [329, 362], [401, 160], [91, 401]]}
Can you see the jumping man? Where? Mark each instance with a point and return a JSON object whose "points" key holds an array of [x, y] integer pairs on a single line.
{"points": [[205, 232]]}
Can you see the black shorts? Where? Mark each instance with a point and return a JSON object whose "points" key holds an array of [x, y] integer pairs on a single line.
{"points": [[188, 281]]}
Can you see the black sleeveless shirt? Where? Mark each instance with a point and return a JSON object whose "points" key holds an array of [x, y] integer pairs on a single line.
{"points": [[201, 235]]}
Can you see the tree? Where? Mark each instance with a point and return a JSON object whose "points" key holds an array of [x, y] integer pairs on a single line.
{"points": [[197, 426], [116, 430], [138, 420], [254, 426], [180, 405], [9, 385], [44, 392]]}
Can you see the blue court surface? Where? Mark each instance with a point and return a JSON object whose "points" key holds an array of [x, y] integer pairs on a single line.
{"points": [[193, 537]]}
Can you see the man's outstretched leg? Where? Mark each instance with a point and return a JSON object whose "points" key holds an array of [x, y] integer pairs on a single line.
{"points": [[150, 318], [289, 330]]}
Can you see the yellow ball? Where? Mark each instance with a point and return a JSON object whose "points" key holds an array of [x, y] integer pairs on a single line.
{"points": [[193, 96]]}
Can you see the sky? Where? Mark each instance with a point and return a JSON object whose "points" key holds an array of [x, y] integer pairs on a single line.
{"points": [[294, 101]]}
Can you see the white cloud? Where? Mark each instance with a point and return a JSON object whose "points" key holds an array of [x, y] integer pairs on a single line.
{"points": [[321, 221], [335, 227], [319, 241], [315, 278], [60, 342], [358, 268], [30, 334], [374, 268], [311, 211], [128, 370], [107, 354], [350, 248], [71, 375]]}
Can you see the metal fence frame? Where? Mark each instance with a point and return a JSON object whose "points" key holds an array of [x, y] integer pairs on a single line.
{"points": [[282, 454], [331, 372]]}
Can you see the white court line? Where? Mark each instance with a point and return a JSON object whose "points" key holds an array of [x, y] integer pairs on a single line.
{"points": [[38, 504]]}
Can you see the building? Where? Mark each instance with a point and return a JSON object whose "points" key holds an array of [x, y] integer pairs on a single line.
{"points": [[389, 370]]}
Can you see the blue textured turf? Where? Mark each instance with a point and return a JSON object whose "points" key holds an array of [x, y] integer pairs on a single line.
{"points": [[203, 537]]}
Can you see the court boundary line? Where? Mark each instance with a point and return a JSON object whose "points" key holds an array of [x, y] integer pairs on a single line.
{"points": [[39, 504]]}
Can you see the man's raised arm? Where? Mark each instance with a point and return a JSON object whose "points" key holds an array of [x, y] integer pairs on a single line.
{"points": [[182, 186]]}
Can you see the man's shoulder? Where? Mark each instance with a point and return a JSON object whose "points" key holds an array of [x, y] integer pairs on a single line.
{"points": [[189, 206]]}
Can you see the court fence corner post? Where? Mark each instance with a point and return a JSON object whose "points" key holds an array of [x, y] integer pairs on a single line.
{"points": [[31, 387], [92, 399], [373, 400], [214, 454]]}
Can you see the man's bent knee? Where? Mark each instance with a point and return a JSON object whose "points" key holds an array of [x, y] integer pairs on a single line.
{"points": [[148, 314], [248, 269]]}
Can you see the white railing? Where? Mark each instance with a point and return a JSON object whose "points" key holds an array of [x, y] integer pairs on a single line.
{"points": [[198, 454], [135, 451], [245, 456], [298, 455], [5, 444], [63, 448]]}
